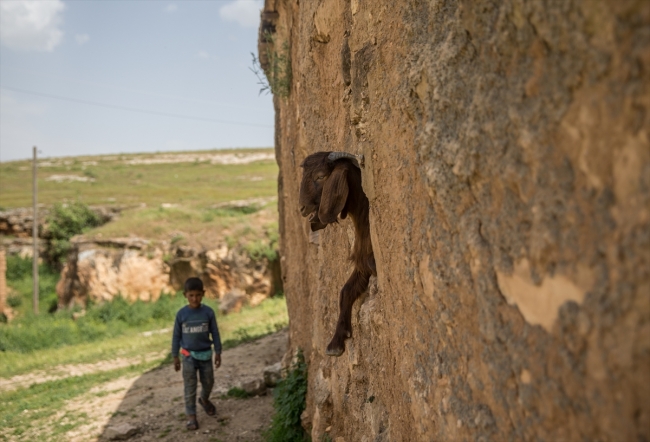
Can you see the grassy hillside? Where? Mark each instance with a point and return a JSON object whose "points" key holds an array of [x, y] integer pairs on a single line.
{"points": [[133, 179], [165, 196]]}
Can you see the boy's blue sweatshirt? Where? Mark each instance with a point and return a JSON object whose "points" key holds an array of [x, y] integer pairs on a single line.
{"points": [[193, 328]]}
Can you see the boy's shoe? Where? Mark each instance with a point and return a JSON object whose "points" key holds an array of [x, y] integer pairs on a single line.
{"points": [[208, 406], [192, 425]]}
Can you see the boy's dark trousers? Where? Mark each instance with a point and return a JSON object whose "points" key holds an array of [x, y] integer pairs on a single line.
{"points": [[206, 375]]}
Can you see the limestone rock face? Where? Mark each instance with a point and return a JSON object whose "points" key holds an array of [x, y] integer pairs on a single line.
{"points": [[121, 432], [273, 374], [232, 301], [507, 164], [135, 268], [130, 267], [19, 222]]}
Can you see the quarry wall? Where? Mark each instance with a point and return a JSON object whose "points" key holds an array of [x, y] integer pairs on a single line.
{"points": [[507, 164], [136, 268]]}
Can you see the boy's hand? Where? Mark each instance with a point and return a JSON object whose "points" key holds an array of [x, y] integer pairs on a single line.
{"points": [[177, 363], [217, 360]]}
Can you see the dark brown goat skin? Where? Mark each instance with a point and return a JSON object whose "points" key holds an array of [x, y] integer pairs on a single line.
{"points": [[329, 189]]}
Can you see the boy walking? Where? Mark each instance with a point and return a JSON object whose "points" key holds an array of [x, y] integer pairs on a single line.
{"points": [[194, 324]]}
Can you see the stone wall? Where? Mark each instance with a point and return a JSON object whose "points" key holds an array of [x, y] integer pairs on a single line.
{"points": [[507, 163]]}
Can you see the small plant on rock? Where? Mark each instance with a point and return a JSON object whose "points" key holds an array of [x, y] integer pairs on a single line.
{"points": [[274, 71], [289, 403]]}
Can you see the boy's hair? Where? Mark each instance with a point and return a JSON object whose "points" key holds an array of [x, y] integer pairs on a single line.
{"points": [[193, 284]]}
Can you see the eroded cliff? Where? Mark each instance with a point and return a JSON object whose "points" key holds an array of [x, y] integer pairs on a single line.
{"points": [[507, 164], [98, 270]]}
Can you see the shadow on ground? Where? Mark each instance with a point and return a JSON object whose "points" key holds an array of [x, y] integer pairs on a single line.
{"points": [[151, 406]]}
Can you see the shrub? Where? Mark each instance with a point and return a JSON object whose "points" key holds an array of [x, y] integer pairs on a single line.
{"points": [[15, 301], [259, 249], [90, 174], [29, 333], [289, 403], [267, 248], [229, 212], [19, 278], [18, 267], [66, 221]]}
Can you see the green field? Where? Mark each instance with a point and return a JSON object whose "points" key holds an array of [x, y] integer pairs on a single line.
{"points": [[115, 180], [176, 199]]}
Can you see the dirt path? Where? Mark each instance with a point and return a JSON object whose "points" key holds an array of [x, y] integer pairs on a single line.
{"points": [[153, 402], [67, 370]]}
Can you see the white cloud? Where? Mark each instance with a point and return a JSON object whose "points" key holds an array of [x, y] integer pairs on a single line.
{"points": [[171, 8], [203, 54], [31, 25], [244, 12], [82, 38]]}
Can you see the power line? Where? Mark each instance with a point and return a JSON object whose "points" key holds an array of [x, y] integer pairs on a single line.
{"points": [[132, 109], [77, 81]]}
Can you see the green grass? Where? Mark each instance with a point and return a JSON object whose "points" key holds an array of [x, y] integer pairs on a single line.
{"points": [[29, 333], [116, 182], [159, 223], [237, 393], [44, 400], [30, 408], [123, 341], [193, 189], [19, 279]]}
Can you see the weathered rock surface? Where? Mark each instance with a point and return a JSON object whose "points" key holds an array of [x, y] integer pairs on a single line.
{"points": [[22, 246], [19, 222], [507, 164], [100, 270], [273, 374], [232, 301], [121, 432], [256, 387], [136, 268]]}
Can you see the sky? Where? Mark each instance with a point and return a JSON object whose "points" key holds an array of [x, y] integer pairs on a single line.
{"points": [[85, 77]]}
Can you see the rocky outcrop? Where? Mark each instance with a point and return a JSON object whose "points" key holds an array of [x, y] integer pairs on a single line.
{"points": [[100, 270], [507, 164], [135, 268], [23, 247], [223, 269], [19, 222]]}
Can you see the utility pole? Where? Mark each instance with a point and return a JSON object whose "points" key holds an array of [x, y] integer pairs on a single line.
{"points": [[35, 237]]}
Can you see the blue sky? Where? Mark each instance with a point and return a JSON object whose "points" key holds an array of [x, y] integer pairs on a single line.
{"points": [[73, 71]]}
